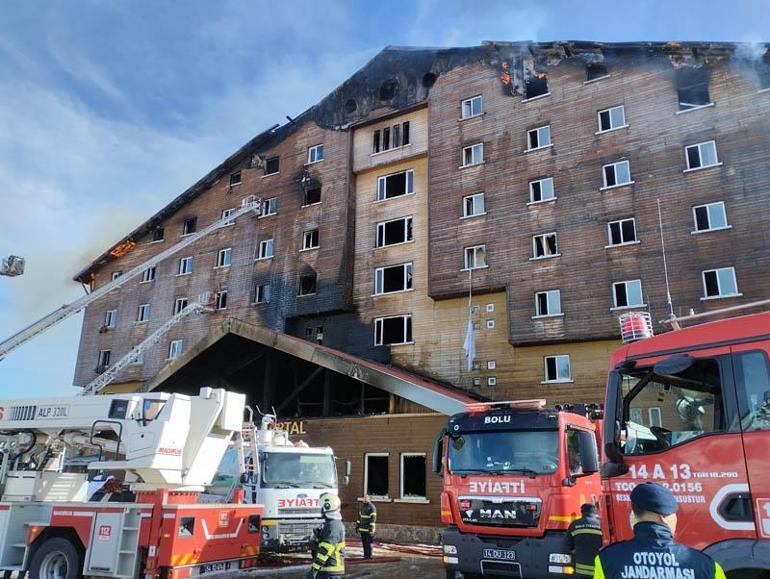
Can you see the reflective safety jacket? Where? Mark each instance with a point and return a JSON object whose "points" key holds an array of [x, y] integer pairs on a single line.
{"points": [[367, 518], [653, 554], [584, 537], [330, 557]]}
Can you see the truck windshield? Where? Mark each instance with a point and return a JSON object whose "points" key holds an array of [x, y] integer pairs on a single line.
{"points": [[521, 451], [283, 470]]}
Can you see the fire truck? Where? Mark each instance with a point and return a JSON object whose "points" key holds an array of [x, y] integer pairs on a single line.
{"points": [[162, 449], [514, 477], [690, 409]]}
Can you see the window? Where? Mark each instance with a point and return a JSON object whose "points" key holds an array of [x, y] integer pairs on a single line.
{"points": [[752, 380], [157, 234], [394, 232], [104, 360], [143, 313], [536, 85], [315, 154], [627, 294], [596, 70], [235, 179], [139, 359], [490, 324], [477, 381], [110, 318], [395, 278], [548, 303], [413, 475], [617, 174], [180, 304], [307, 284], [175, 349], [395, 185], [621, 232], [272, 165], [541, 190], [262, 293], [227, 213], [539, 138], [473, 205], [225, 257], [490, 308], [701, 155], [393, 330], [612, 118], [220, 300], [265, 250], [148, 274], [476, 257], [473, 155], [115, 275], [763, 70], [544, 245], [190, 225], [635, 415], [312, 196], [376, 475], [574, 464], [491, 364], [391, 137], [376, 141], [710, 217], [269, 207], [720, 283], [185, 266], [693, 88], [557, 369], [310, 239], [654, 415], [472, 107]]}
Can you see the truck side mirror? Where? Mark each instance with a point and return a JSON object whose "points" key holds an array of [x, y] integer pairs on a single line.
{"points": [[589, 454], [438, 452]]}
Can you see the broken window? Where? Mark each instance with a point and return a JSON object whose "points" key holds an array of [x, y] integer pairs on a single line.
{"points": [[395, 185], [307, 284], [175, 349], [701, 155], [617, 174], [157, 234], [622, 232], [396, 136], [227, 213], [110, 318], [627, 294], [272, 165], [103, 360], [557, 369], [544, 246], [541, 190], [763, 71], [315, 154], [220, 300], [392, 330], [390, 137], [473, 155], [190, 225], [265, 250], [269, 207], [180, 304], [262, 293], [476, 257], [693, 88], [310, 239], [612, 118], [143, 313], [225, 257], [376, 475], [395, 231], [473, 205], [720, 283], [710, 217], [405, 133], [596, 70], [235, 179], [185, 266], [313, 196], [148, 274], [539, 138], [472, 107], [115, 275], [413, 475], [385, 138], [548, 303], [394, 278], [376, 141], [536, 85]]}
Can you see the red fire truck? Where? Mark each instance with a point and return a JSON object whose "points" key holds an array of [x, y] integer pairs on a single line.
{"points": [[690, 409], [515, 475]]}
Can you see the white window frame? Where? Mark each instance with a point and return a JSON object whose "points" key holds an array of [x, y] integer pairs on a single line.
{"points": [[557, 380], [227, 213], [115, 275], [720, 295], [110, 318], [272, 202], [262, 249], [650, 413], [382, 185], [536, 257], [299, 289], [628, 306], [490, 324], [620, 225], [143, 313], [469, 102], [476, 155], [609, 110], [183, 263], [178, 307], [148, 274], [474, 204], [366, 474], [232, 183], [224, 258], [708, 207], [267, 293], [379, 278], [532, 200], [470, 254], [102, 363], [491, 380], [312, 154], [539, 132], [548, 314], [716, 163], [408, 219], [308, 235], [184, 226], [491, 364], [615, 173], [218, 299], [415, 498], [378, 340], [175, 349]]}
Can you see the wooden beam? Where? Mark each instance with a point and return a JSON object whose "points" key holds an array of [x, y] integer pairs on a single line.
{"points": [[300, 388]]}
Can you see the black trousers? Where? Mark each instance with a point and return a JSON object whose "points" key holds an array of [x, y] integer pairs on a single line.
{"points": [[366, 540]]}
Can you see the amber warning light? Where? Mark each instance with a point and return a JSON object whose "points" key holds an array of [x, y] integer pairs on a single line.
{"points": [[635, 326]]}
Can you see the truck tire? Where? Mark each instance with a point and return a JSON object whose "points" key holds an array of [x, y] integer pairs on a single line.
{"points": [[56, 558]]}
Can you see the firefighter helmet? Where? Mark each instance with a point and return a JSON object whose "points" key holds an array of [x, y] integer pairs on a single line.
{"points": [[330, 503]]}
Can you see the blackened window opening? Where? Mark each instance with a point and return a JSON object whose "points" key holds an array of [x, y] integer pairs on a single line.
{"points": [[307, 284], [190, 225], [537, 85], [693, 88], [157, 234], [413, 480], [596, 70], [313, 196], [272, 165], [377, 476]]}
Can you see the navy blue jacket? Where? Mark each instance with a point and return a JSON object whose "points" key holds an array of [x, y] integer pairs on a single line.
{"points": [[653, 554]]}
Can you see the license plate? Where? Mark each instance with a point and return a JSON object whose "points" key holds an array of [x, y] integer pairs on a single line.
{"points": [[215, 567], [500, 554]]}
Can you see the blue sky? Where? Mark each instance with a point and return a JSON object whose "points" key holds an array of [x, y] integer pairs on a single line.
{"points": [[109, 109]]}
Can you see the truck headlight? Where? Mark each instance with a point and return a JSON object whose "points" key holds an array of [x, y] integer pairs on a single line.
{"points": [[450, 549], [560, 558]]}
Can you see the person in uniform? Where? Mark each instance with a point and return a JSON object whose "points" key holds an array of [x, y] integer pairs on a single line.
{"points": [[584, 537], [653, 552], [366, 525], [329, 559]]}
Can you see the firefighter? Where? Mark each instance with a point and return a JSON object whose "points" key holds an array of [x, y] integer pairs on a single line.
{"points": [[329, 560], [584, 537], [653, 552], [366, 525]]}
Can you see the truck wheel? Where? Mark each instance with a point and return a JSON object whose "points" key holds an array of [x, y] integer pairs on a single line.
{"points": [[56, 558]]}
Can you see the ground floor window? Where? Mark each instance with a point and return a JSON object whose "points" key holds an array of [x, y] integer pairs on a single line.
{"points": [[376, 474], [413, 475]]}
